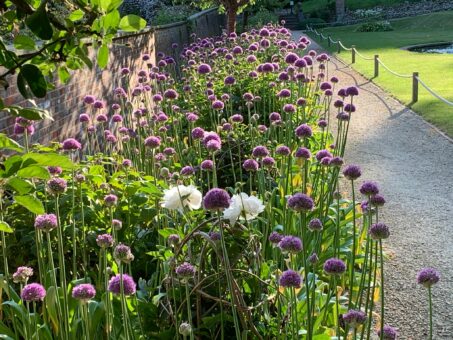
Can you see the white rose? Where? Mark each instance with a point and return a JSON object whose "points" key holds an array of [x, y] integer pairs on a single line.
{"points": [[181, 196], [244, 207]]}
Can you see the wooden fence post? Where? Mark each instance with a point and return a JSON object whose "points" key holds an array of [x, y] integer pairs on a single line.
{"points": [[376, 65], [414, 87], [353, 54]]}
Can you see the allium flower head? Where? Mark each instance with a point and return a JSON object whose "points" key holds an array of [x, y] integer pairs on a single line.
{"points": [[334, 266], [46, 222], [117, 224], [390, 333], [110, 200], [207, 165], [185, 329], [369, 188], [244, 207], [352, 91], [187, 171], [171, 94], [377, 200], [197, 133], [122, 253], [152, 142], [303, 131], [185, 270], [250, 165], [54, 170], [352, 172], [303, 153], [260, 151], [84, 292], [290, 244], [22, 274], [283, 150], [204, 69], [216, 199], [275, 237], [290, 278], [129, 285], [354, 318], [315, 225], [428, 277], [56, 186], [174, 239], [180, 197], [291, 58], [300, 202], [104, 240], [33, 292], [71, 144]]}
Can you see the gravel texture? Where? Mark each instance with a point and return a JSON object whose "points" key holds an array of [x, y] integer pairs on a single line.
{"points": [[413, 163]]}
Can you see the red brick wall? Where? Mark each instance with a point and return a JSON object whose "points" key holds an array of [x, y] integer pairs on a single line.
{"points": [[65, 102]]}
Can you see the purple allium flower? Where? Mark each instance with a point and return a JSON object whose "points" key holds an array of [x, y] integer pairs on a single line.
{"points": [[290, 278], [390, 333], [428, 277], [290, 244], [313, 258], [84, 292], [185, 270], [260, 151], [207, 165], [229, 80], [211, 136], [173, 239], [104, 240], [334, 80], [89, 99], [248, 97], [300, 202], [250, 165], [325, 86], [369, 188], [213, 145], [336, 161], [379, 231], [354, 318], [33, 292], [192, 117], [216, 199], [204, 69], [285, 93], [352, 172], [122, 253], [187, 171], [169, 151], [127, 163], [283, 150], [101, 118], [152, 142], [237, 50], [56, 186], [54, 170], [110, 200], [268, 162], [125, 71], [46, 222], [218, 105], [227, 127], [315, 225], [237, 118], [215, 236], [129, 285], [71, 144], [323, 153], [83, 118], [275, 116], [303, 153], [334, 266], [303, 131], [20, 130], [291, 58], [338, 103], [171, 94], [325, 161], [349, 108], [79, 178], [98, 104], [377, 200], [117, 224], [352, 91], [197, 133], [289, 108], [275, 237], [22, 274], [116, 118], [322, 123]]}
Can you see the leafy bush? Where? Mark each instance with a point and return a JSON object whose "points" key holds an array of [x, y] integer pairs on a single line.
{"points": [[262, 17], [169, 14], [317, 21], [375, 26]]}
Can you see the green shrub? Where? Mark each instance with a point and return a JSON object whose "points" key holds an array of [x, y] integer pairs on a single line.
{"points": [[167, 15], [375, 26], [317, 22], [262, 17]]}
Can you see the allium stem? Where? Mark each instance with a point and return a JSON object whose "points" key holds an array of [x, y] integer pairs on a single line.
{"points": [[124, 304], [382, 287], [430, 313], [189, 310], [354, 236], [74, 238], [107, 293]]}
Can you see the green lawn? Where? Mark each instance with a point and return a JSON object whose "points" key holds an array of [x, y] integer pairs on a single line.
{"points": [[436, 70]]}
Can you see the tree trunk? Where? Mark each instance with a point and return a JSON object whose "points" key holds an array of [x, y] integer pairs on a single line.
{"points": [[245, 20], [231, 18]]}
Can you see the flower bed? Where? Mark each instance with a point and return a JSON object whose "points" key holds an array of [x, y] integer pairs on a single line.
{"points": [[204, 204]]}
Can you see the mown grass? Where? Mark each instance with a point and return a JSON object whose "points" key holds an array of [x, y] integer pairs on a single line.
{"points": [[436, 70], [310, 6]]}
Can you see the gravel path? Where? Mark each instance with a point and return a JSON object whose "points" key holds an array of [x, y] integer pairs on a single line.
{"points": [[413, 163]]}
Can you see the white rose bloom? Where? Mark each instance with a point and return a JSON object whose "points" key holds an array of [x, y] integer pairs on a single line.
{"points": [[243, 206], [176, 198]]}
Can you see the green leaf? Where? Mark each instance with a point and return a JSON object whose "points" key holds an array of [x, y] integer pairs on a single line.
{"points": [[35, 79], [132, 23], [23, 87], [48, 159], [111, 20], [5, 227], [7, 143], [20, 185], [104, 4], [39, 23], [76, 15], [63, 74], [31, 203], [34, 172], [103, 56], [22, 42], [168, 231]]}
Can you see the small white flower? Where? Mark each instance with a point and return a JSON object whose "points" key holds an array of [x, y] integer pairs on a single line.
{"points": [[181, 196], [244, 207]]}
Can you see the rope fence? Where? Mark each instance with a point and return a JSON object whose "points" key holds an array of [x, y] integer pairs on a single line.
{"points": [[414, 76]]}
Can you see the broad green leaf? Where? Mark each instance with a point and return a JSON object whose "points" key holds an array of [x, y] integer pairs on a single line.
{"points": [[23, 86], [111, 20], [22, 42], [168, 231], [103, 56], [63, 74], [20, 185], [39, 23], [76, 15], [7, 143], [31, 203], [35, 80], [132, 23], [48, 159], [104, 4], [5, 227], [34, 172]]}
